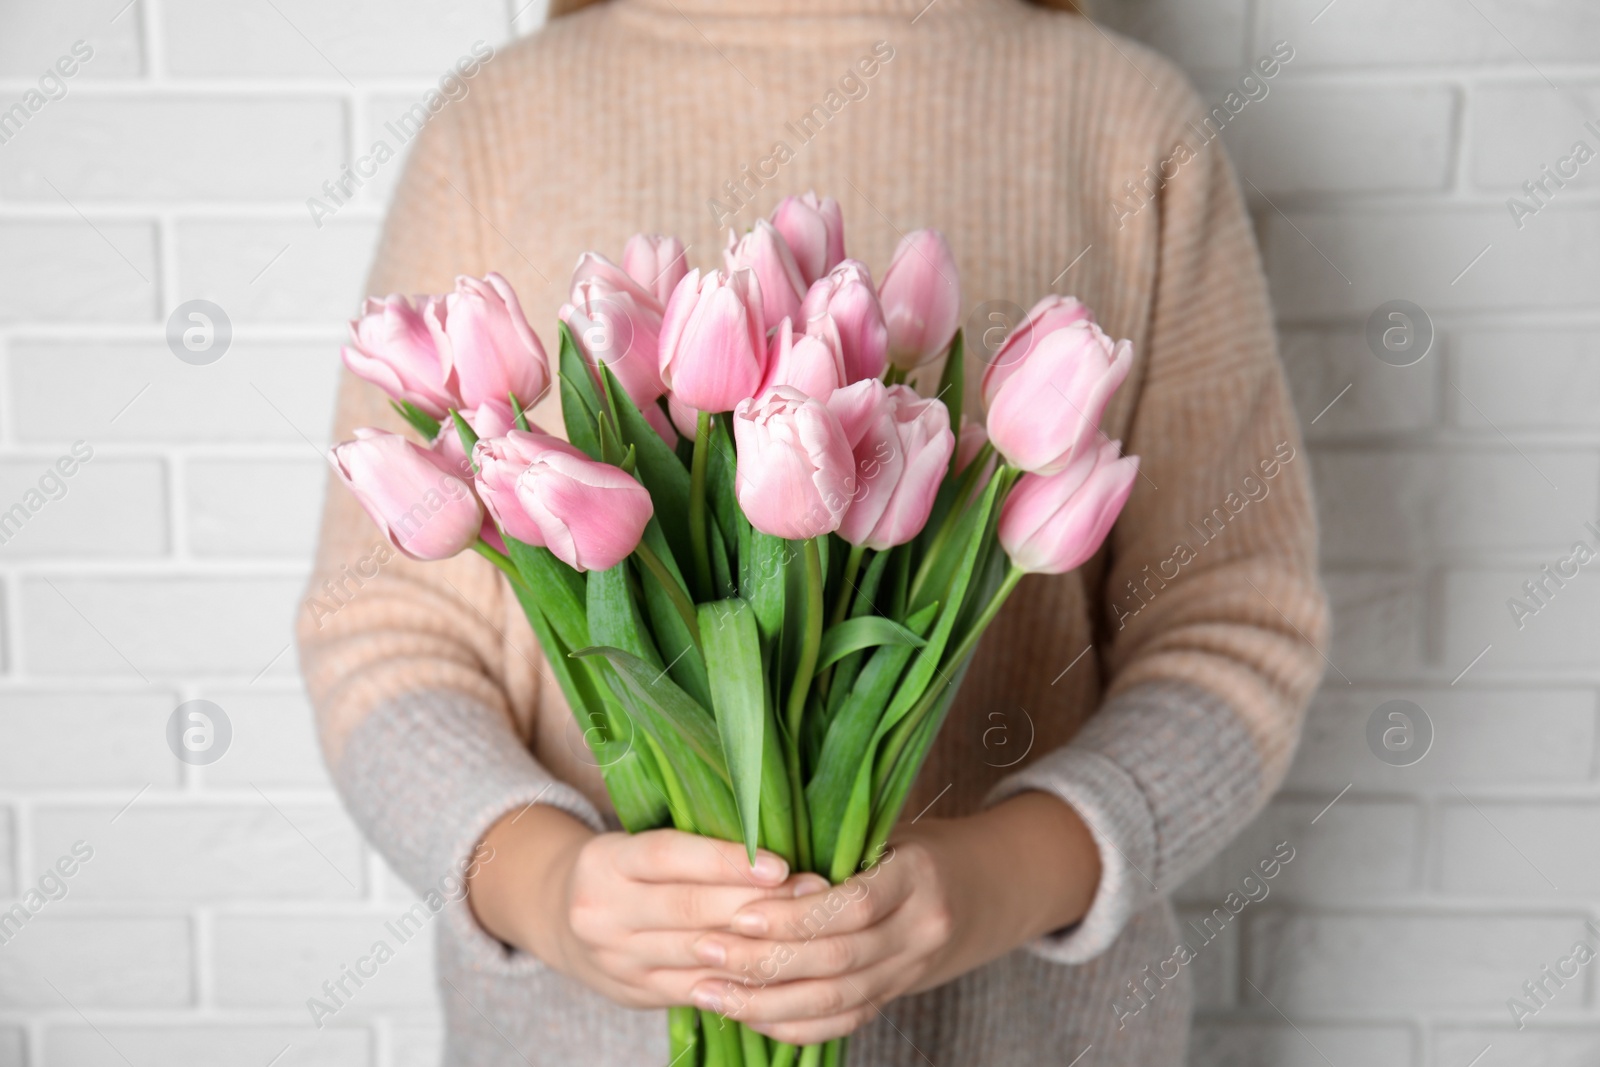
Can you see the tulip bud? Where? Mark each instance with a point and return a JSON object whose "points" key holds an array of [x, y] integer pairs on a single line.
{"points": [[486, 420], [921, 296], [845, 294], [1051, 524], [615, 328], [812, 362], [902, 444], [422, 507], [713, 348], [391, 347], [1048, 409], [814, 231], [795, 472], [764, 253], [545, 492], [656, 262], [1047, 316], [487, 344]]}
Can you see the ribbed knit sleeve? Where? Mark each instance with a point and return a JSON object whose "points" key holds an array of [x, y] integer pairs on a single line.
{"points": [[424, 676], [1211, 611]]}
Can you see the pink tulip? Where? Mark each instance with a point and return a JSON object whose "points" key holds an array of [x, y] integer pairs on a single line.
{"points": [[486, 420], [661, 424], [846, 295], [593, 267], [487, 344], [921, 295], [1051, 524], [1047, 316], [814, 232], [613, 327], [501, 461], [764, 253], [1048, 410], [902, 446], [656, 262], [422, 507], [713, 347], [795, 471], [812, 362], [969, 442], [391, 347], [684, 419], [543, 491]]}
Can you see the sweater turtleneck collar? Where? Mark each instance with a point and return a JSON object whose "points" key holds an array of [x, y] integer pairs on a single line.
{"points": [[919, 10]]}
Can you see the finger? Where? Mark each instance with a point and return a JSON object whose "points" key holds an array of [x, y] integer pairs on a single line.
{"points": [[786, 1002], [763, 961], [691, 907], [674, 856], [842, 909], [816, 1031]]}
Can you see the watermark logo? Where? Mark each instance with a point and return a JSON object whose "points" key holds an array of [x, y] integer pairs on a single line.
{"points": [[199, 732], [1399, 733], [1399, 333], [990, 326], [199, 332]]}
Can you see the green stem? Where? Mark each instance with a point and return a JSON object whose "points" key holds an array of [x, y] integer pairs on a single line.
{"points": [[683, 1024], [784, 1055], [894, 375], [952, 518], [680, 598], [798, 692], [754, 1047], [895, 743], [852, 567], [498, 558], [697, 504], [811, 1056], [833, 1052]]}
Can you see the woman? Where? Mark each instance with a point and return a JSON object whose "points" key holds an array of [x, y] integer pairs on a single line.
{"points": [[1119, 725]]}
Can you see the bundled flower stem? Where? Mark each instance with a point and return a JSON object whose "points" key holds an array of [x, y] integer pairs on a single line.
{"points": [[757, 563]]}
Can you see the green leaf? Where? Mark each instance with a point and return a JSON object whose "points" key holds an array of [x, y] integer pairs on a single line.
{"points": [[686, 722], [853, 831], [614, 617], [557, 589], [952, 389], [519, 417], [583, 430], [833, 787], [865, 631], [684, 739], [739, 702], [763, 565], [634, 784], [720, 471], [844, 675], [660, 472], [673, 638], [574, 367], [469, 437], [420, 420]]}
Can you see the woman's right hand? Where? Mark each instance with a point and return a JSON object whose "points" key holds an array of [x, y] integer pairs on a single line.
{"points": [[623, 913]]}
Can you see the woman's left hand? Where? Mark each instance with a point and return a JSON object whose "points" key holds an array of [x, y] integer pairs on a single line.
{"points": [[949, 895]]}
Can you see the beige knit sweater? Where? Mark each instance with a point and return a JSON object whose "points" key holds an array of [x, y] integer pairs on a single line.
{"points": [[1158, 690]]}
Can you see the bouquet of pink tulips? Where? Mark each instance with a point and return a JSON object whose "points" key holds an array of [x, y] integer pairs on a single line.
{"points": [[758, 563]]}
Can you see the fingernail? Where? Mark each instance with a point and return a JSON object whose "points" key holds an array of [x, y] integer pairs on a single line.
{"points": [[770, 868], [750, 922], [712, 953], [706, 1000], [809, 884]]}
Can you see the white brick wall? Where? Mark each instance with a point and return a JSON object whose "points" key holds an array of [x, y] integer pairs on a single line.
{"points": [[219, 897]]}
